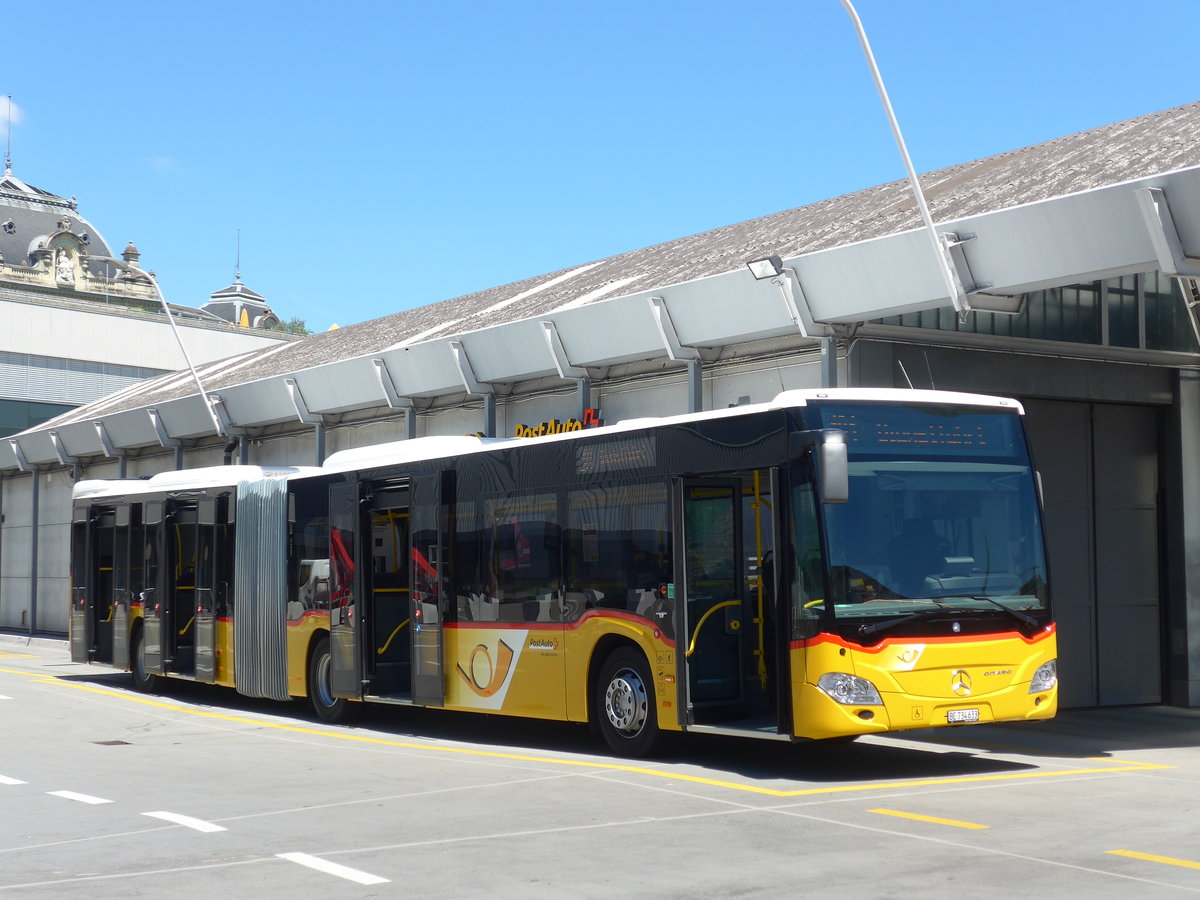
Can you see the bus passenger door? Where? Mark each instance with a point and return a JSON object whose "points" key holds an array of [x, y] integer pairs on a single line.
{"points": [[121, 587], [205, 609], [155, 614], [182, 586], [81, 580], [712, 602], [426, 577], [385, 590], [346, 669]]}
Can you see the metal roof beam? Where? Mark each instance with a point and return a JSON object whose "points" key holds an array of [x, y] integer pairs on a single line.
{"points": [[466, 373], [558, 353], [59, 450], [1172, 258], [22, 462], [161, 430], [388, 386], [297, 398], [666, 331]]}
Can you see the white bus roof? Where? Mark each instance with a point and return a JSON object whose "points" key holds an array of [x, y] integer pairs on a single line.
{"points": [[436, 447]]}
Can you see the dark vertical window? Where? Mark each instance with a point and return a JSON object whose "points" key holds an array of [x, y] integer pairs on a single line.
{"points": [[617, 548], [1167, 325], [1123, 330], [508, 559]]}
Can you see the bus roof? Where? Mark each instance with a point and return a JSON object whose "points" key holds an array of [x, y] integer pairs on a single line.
{"points": [[185, 479], [435, 447]]}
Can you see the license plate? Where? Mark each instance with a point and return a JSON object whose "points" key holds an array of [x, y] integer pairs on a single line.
{"points": [[962, 716]]}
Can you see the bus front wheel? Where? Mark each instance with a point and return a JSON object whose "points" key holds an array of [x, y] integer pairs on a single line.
{"points": [[624, 704], [320, 693]]}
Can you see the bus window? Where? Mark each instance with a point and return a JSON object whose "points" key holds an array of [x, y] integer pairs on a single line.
{"points": [[808, 583], [617, 550], [507, 559]]}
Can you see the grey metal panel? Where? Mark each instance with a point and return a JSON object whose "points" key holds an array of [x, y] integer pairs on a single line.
{"points": [[38, 448], [1060, 433], [260, 589], [258, 402], [1127, 554], [79, 439], [130, 428], [610, 332], [341, 386], [517, 352]]}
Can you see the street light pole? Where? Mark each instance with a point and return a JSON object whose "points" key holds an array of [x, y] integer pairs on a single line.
{"points": [[128, 267], [961, 303]]}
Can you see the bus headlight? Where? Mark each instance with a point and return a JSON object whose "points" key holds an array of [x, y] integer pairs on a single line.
{"points": [[849, 689], [1045, 677]]}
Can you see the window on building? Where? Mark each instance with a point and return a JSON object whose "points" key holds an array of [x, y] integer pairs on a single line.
{"points": [[1143, 311]]}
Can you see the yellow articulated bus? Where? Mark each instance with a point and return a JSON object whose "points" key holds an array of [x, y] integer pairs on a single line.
{"points": [[830, 564]]}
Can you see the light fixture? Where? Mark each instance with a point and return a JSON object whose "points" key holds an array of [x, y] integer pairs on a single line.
{"points": [[767, 267]]}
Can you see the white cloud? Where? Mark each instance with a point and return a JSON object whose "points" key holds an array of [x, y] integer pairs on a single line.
{"points": [[9, 112]]}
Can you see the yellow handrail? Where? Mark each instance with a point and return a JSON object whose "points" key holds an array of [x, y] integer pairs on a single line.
{"points": [[704, 618], [388, 642], [758, 549], [184, 629]]}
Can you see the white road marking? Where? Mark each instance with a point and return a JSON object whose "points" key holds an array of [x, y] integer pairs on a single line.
{"points": [[4, 697], [4, 779], [329, 868], [78, 798], [186, 821]]}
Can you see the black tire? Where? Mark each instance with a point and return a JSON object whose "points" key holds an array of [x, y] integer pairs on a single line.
{"points": [[328, 708], [624, 704], [143, 681]]}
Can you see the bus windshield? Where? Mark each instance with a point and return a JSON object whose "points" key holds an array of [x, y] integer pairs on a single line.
{"points": [[941, 532]]}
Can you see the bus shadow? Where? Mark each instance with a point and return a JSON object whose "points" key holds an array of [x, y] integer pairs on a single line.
{"points": [[1078, 733], [718, 756]]}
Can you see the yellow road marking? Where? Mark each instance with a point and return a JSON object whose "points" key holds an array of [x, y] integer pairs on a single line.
{"points": [[603, 766], [1149, 857], [10, 654], [904, 815]]}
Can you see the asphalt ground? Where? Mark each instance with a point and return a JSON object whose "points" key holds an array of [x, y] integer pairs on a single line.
{"points": [[200, 792]]}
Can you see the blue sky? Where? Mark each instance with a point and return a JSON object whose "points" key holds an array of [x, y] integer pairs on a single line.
{"points": [[380, 156]]}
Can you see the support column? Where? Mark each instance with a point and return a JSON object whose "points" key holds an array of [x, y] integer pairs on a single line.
{"points": [[34, 527], [829, 362], [1183, 516], [695, 378], [3, 481]]}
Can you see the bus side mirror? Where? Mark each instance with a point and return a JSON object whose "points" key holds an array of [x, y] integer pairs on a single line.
{"points": [[833, 467]]}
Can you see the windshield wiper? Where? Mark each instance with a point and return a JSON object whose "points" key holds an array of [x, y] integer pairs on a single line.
{"points": [[1015, 613], [888, 624]]}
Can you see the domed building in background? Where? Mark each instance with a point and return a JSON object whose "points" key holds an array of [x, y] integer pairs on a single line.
{"points": [[241, 306], [81, 321]]}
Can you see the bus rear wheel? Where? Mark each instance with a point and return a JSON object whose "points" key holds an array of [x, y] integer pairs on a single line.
{"points": [[624, 704], [328, 708], [143, 681]]}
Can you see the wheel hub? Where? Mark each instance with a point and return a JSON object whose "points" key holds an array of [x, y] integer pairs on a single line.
{"points": [[625, 702]]}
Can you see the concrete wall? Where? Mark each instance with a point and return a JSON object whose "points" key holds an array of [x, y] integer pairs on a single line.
{"points": [[105, 335], [18, 599]]}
